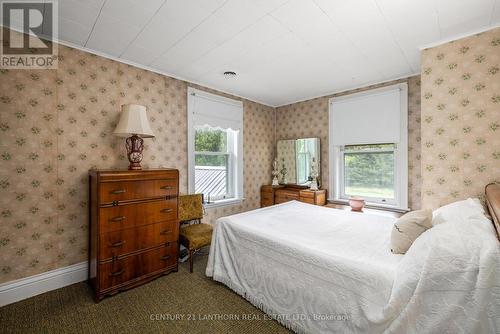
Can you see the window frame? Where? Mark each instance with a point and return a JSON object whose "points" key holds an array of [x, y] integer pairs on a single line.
{"points": [[234, 150], [336, 155]]}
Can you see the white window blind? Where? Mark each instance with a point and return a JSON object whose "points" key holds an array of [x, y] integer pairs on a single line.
{"points": [[216, 112], [367, 119]]}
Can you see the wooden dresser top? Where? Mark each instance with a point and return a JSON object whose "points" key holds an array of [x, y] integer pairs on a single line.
{"points": [[127, 171], [125, 174]]}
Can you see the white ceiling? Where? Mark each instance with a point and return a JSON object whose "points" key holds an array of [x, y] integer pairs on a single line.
{"points": [[282, 50]]}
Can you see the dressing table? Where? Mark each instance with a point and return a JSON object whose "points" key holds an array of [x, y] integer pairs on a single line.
{"points": [[270, 195], [296, 167]]}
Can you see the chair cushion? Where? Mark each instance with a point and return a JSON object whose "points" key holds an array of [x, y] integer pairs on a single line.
{"points": [[190, 207], [196, 235]]}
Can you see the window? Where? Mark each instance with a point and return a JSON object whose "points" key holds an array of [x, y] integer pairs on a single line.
{"points": [[215, 147], [369, 172], [213, 160], [368, 147]]}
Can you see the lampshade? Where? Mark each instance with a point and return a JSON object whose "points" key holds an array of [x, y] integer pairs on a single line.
{"points": [[133, 121]]}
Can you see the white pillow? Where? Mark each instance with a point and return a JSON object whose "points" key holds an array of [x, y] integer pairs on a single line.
{"points": [[460, 211]]}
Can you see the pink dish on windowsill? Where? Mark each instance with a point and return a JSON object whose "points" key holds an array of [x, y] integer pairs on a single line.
{"points": [[356, 203]]}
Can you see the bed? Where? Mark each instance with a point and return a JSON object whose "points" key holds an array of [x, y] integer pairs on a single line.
{"points": [[321, 270]]}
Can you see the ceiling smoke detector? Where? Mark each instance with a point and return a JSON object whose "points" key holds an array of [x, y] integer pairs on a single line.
{"points": [[230, 74]]}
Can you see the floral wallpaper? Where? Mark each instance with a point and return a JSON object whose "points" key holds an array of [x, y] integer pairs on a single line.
{"points": [[57, 124], [460, 118], [310, 119]]}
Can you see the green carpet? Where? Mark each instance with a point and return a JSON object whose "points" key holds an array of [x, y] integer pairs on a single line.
{"points": [[194, 296]]}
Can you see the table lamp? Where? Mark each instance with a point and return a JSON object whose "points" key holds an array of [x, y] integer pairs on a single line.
{"points": [[134, 125]]}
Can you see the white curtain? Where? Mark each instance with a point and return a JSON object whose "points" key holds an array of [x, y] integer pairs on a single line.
{"points": [[217, 113]]}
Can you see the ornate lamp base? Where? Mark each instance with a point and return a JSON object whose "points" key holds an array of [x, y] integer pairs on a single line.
{"points": [[135, 145], [135, 166]]}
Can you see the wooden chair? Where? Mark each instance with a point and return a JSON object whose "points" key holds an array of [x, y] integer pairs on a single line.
{"points": [[197, 235]]}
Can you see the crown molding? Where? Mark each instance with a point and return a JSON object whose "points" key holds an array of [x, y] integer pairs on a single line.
{"points": [[354, 87], [459, 36], [202, 85]]}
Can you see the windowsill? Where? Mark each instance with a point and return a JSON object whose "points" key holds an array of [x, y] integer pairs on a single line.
{"points": [[223, 202], [371, 205]]}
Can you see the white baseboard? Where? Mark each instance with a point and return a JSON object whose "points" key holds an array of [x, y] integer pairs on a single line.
{"points": [[13, 291]]}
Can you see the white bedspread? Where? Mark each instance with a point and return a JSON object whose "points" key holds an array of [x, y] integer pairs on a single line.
{"points": [[321, 270]]}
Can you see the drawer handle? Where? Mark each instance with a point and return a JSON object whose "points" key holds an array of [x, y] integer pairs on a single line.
{"points": [[166, 210], [117, 244], [117, 191], [117, 273], [165, 257], [166, 187], [165, 232], [117, 219]]}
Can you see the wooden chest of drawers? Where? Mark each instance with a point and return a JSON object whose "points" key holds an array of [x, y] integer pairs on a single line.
{"points": [[270, 195], [134, 227]]}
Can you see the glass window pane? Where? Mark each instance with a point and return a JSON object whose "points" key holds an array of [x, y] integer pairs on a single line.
{"points": [[210, 140], [211, 175], [369, 174]]}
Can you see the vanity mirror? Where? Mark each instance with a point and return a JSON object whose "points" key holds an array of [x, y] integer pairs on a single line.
{"points": [[298, 160]]}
